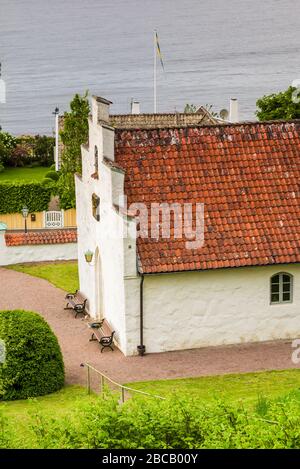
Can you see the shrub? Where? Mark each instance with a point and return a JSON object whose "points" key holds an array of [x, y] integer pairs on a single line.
{"points": [[52, 175], [47, 182], [176, 423], [21, 155], [52, 167], [33, 364], [14, 195]]}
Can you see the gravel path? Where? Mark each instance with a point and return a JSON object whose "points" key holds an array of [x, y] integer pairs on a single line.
{"points": [[18, 290]]}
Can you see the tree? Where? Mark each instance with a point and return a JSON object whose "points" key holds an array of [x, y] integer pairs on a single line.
{"points": [[284, 105], [193, 109], [190, 109], [73, 135], [7, 145]]}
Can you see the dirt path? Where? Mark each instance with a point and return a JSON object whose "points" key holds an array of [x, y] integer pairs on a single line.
{"points": [[18, 290]]}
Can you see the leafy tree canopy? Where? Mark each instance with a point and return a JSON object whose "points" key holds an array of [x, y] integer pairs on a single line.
{"points": [[73, 135], [284, 105]]}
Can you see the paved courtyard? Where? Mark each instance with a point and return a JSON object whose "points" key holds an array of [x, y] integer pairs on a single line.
{"points": [[18, 290]]}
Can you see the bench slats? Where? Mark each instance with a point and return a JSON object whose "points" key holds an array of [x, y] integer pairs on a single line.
{"points": [[103, 333], [78, 303]]}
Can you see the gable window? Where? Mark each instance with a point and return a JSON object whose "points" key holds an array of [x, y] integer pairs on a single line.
{"points": [[96, 163], [281, 288], [96, 207]]}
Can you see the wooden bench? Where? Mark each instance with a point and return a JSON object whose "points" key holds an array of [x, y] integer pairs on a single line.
{"points": [[102, 333], [76, 303]]}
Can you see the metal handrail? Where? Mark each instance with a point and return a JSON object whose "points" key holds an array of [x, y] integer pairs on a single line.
{"points": [[121, 386]]}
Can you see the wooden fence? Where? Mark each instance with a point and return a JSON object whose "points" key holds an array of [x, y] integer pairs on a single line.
{"points": [[15, 221], [97, 381]]}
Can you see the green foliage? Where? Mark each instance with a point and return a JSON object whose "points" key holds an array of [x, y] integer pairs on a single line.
{"points": [[190, 109], [73, 135], [65, 188], [52, 175], [33, 364], [7, 144], [175, 423], [280, 106], [20, 156], [14, 195], [26, 150], [44, 149]]}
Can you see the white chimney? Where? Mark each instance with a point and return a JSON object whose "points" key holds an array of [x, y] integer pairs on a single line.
{"points": [[234, 110], [135, 107]]}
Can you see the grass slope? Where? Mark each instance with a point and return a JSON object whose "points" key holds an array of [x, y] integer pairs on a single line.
{"points": [[246, 387], [63, 275]]}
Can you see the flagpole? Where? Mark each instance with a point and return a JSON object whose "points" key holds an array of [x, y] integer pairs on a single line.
{"points": [[154, 71]]}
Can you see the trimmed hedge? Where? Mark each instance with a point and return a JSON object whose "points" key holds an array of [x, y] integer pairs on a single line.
{"points": [[33, 365], [14, 195], [52, 175]]}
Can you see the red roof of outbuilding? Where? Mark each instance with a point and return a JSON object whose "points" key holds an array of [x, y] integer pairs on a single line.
{"points": [[41, 237], [248, 177]]}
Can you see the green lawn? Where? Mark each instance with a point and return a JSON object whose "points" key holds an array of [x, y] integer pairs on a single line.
{"points": [[25, 174], [60, 403], [246, 387], [63, 275]]}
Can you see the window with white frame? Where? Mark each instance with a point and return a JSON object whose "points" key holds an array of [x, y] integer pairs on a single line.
{"points": [[281, 288]]}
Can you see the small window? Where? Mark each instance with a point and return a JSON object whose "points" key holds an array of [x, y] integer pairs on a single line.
{"points": [[96, 159], [96, 207], [96, 163], [281, 288]]}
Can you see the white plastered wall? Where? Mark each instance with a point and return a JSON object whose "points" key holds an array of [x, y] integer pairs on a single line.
{"points": [[106, 234], [35, 252], [215, 307]]}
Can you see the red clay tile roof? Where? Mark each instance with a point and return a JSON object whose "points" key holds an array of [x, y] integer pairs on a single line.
{"points": [[248, 177], [41, 237]]}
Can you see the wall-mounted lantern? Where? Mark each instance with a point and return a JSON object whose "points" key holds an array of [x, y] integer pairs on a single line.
{"points": [[33, 217], [89, 256]]}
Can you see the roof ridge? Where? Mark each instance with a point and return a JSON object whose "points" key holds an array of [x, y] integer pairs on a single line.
{"points": [[219, 124]]}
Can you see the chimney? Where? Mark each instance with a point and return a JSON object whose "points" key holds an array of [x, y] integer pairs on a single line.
{"points": [[234, 110], [100, 109], [135, 107]]}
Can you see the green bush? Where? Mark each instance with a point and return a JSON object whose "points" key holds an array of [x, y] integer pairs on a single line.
{"points": [[14, 195], [176, 423], [52, 167], [52, 175], [47, 182], [33, 365]]}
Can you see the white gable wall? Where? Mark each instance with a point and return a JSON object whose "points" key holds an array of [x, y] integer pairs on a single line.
{"points": [[93, 234], [215, 307]]}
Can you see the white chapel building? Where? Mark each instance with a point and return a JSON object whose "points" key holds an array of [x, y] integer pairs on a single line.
{"points": [[240, 282]]}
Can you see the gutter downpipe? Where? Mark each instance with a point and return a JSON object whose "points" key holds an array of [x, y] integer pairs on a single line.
{"points": [[141, 348]]}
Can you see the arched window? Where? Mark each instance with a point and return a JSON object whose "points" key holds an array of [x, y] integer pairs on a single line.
{"points": [[96, 162], [281, 288]]}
